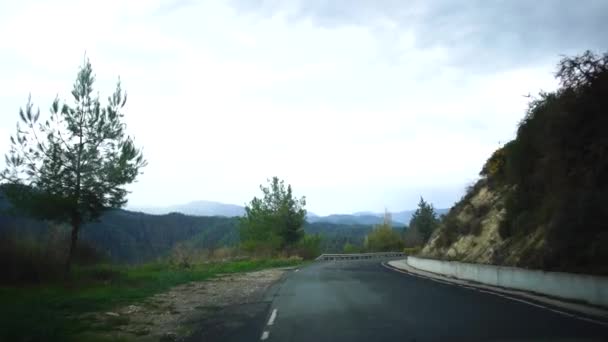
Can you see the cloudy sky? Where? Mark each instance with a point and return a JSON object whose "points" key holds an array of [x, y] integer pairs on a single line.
{"points": [[360, 105]]}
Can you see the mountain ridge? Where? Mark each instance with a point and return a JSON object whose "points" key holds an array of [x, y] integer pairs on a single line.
{"points": [[213, 208]]}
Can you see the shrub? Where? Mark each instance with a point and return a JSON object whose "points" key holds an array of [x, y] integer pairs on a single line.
{"points": [[34, 260], [412, 250], [262, 249], [308, 247], [350, 248], [383, 238]]}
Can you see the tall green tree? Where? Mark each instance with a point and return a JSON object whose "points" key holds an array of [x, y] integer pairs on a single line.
{"points": [[424, 220], [74, 165], [276, 219]]}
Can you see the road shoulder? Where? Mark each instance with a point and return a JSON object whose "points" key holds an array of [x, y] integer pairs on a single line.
{"points": [[229, 305], [578, 310]]}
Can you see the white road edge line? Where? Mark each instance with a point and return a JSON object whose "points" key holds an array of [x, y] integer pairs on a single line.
{"points": [[504, 296], [265, 335], [273, 316]]}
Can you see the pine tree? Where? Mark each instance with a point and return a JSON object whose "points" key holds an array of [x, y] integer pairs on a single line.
{"points": [[73, 166], [277, 219], [424, 219]]}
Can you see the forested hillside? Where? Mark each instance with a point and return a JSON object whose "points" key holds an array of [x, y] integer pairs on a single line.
{"points": [[335, 236], [126, 236], [541, 201]]}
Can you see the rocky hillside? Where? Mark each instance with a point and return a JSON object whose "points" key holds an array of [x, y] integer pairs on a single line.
{"points": [[470, 231], [541, 200]]}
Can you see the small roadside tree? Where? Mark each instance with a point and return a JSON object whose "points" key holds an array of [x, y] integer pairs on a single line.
{"points": [[276, 220], [73, 166], [383, 238], [424, 220]]}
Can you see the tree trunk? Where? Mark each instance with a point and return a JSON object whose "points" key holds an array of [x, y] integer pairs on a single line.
{"points": [[73, 241]]}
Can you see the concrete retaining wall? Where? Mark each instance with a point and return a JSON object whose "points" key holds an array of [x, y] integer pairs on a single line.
{"points": [[591, 289]]}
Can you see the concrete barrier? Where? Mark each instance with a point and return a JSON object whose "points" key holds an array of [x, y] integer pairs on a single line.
{"points": [[588, 288], [358, 256]]}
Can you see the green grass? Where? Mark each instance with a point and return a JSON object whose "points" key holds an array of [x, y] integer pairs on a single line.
{"points": [[51, 312]]}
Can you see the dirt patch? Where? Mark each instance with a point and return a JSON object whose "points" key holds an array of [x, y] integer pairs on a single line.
{"points": [[178, 313]]}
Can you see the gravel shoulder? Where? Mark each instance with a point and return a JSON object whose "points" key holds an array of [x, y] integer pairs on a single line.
{"points": [[209, 310]]}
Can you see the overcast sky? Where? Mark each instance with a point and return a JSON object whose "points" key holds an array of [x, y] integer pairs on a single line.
{"points": [[360, 105]]}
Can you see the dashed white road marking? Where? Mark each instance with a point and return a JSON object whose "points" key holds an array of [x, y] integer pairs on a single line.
{"points": [[273, 316], [265, 335], [500, 295]]}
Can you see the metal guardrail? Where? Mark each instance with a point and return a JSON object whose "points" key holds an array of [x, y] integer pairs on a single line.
{"points": [[359, 256]]}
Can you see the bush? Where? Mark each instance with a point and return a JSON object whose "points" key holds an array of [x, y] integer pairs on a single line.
{"points": [[383, 239], [350, 248], [449, 231], [259, 249], [309, 247], [495, 164], [27, 260], [412, 250]]}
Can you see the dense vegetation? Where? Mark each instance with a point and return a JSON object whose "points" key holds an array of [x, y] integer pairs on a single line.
{"points": [[335, 236], [553, 177]]}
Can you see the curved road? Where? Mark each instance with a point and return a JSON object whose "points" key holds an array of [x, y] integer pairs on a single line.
{"points": [[364, 301]]}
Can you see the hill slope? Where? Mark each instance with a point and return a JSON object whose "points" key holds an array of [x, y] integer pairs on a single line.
{"points": [[134, 237], [541, 202]]}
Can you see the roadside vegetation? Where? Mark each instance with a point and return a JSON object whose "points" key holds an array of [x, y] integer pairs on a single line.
{"points": [[540, 202], [384, 237], [274, 224], [50, 311], [70, 168], [73, 165]]}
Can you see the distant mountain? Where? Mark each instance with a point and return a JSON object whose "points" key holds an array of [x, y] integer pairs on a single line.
{"points": [[369, 217], [364, 213], [196, 208], [211, 208], [347, 219]]}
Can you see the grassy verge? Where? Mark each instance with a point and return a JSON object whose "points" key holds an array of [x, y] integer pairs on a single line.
{"points": [[51, 312]]}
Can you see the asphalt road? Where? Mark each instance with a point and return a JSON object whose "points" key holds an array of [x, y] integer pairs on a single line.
{"points": [[363, 301]]}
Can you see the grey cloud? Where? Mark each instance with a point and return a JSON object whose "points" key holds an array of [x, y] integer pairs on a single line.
{"points": [[477, 34]]}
